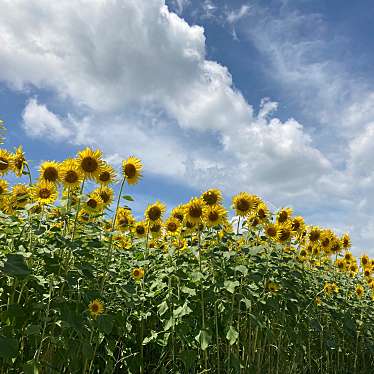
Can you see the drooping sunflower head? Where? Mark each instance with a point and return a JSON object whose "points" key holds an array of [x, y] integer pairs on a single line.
{"points": [[6, 161], [70, 174], [271, 230], [253, 220], [155, 228], [96, 308], [262, 211], [284, 215], [3, 188], [124, 219], [215, 215], [172, 226], [19, 161], [314, 234], [93, 204], [155, 211], [298, 224], [90, 163], [44, 192], [366, 272], [140, 229], [132, 170], [244, 203], [359, 290], [106, 194], [137, 273], [50, 171], [335, 245], [20, 196], [339, 263], [84, 216], [212, 197], [194, 210], [107, 175], [346, 241], [364, 260], [178, 213], [284, 232]]}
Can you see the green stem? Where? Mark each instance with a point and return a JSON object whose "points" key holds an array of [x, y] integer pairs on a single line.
{"points": [[78, 209]]}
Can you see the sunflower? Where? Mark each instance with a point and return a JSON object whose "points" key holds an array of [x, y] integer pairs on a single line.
{"points": [[106, 194], [359, 290], [84, 216], [44, 192], [132, 170], [96, 308], [19, 161], [346, 241], [122, 242], [271, 230], [272, 287], [155, 229], [335, 245], [339, 263], [298, 224], [262, 211], [93, 203], [364, 260], [303, 255], [6, 161], [212, 197], [243, 203], [189, 227], [348, 257], [215, 215], [139, 229], [50, 171], [137, 273], [70, 173], [284, 215], [366, 272], [107, 175], [20, 196], [314, 234], [172, 226], [326, 240], [90, 163], [124, 219], [155, 211], [178, 213], [194, 210], [284, 232], [253, 220], [3, 187]]}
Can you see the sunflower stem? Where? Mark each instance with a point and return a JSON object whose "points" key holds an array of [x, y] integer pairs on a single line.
{"points": [[78, 209]]}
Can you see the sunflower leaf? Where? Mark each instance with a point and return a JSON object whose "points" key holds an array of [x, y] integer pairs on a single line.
{"points": [[128, 198]]}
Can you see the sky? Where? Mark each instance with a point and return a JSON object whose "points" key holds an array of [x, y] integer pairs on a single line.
{"points": [[271, 97]]}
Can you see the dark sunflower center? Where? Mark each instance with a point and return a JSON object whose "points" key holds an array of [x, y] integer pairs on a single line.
{"points": [[71, 176], [325, 242], [140, 230], [154, 213], [172, 226], [271, 231], [195, 211], [1, 190], [284, 235], [4, 163], [178, 216], [243, 205], [44, 193], [123, 222], [340, 265], [104, 176], [295, 225], [130, 170], [18, 163], [189, 225], [85, 216], [104, 196], [282, 216], [210, 198], [155, 228], [347, 256], [89, 164], [261, 213], [136, 273], [364, 261], [95, 308], [314, 236], [50, 174], [21, 197], [213, 216], [303, 253], [92, 203], [254, 222], [345, 243]]}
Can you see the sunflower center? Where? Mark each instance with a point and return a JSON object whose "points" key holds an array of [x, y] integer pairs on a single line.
{"points": [[303, 253], [95, 308], [325, 242], [282, 216], [104, 176], [1, 190], [284, 235], [210, 198], [104, 196], [130, 170], [172, 226], [4, 163], [364, 261], [140, 230], [136, 273], [189, 225], [71, 176], [261, 213], [92, 203], [155, 228], [195, 211], [50, 174], [178, 216], [271, 231], [296, 225], [243, 205], [89, 164], [18, 163], [21, 197], [314, 236], [123, 222], [44, 193], [154, 213], [213, 216]]}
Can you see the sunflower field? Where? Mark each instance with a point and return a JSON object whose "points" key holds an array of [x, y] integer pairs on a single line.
{"points": [[87, 288]]}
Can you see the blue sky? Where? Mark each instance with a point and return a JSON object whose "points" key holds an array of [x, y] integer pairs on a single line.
{"points": [[271, 97]]}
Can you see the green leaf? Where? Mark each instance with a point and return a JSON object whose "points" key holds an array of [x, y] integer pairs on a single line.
{"points": [[230, 285], [105, 324], [189, 291], [242, 269], [128, 198], [15, 265], [8, 347], [30, 367], [148, 339], [232, 335], [162, 308], [204, 338], [182, 311]]}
